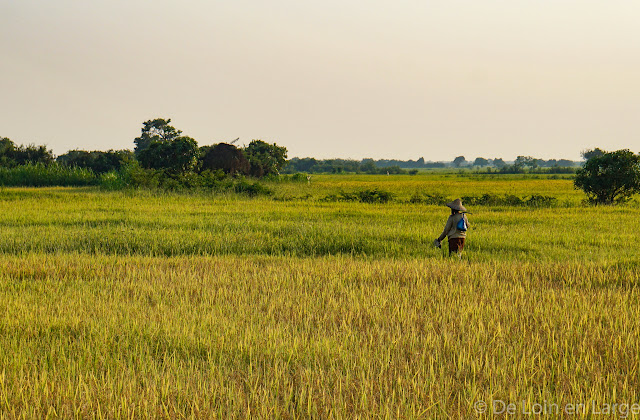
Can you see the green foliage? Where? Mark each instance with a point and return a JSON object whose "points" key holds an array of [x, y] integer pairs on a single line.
{"points": [[6, 151], [99, 162], [487, 199], [225, 157], [136, 177], [459, 161], [590, 153], [335, 166], [480, 161], [609, 178], [535, 200], [374, 195], [12, 155], [40, 175], [178, 155], [252, 189], [428, 198], [299, 177], [265, 158], [112, 181], [156, 130], [498, 162]]}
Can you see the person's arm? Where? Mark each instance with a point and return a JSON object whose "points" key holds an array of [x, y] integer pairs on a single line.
{"points": [[447, 228]]}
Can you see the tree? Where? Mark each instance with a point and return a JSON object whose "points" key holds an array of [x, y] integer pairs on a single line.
{"points": [[176, 156], [460, 160], [589, 153], [226, 157], [32, 154], [368, 166], [12, 155], [565, 162], [157, 130], [6, 152], [612, 177], [480, 162], [498, 162], [265, 158], [301, 165], [99, 162], [527, 161]]}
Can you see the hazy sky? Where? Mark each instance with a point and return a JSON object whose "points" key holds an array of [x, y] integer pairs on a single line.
{"points": [[349, 78]]}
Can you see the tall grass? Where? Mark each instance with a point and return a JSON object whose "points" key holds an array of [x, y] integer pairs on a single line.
{"points": [[142, 304], [39, 175], [332, 337], [73, 220]]}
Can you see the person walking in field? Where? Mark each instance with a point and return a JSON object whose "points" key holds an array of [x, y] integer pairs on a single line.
{"points": [[456, 228]]}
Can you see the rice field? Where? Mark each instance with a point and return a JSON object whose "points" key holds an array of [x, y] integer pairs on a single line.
{"points": [[148, 305]]}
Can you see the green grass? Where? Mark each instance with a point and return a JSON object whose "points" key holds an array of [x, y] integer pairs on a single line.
{"points": [[134, 304], [448, 185]]}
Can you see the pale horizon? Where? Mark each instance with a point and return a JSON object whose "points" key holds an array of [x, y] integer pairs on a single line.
{"points": [[376, 79]]}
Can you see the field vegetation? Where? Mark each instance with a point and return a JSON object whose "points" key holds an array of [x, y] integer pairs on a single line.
{"points": [[307, 304]]}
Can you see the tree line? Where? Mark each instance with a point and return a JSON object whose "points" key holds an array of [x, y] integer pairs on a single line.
{"points": [[162, 157], [522, 164]]}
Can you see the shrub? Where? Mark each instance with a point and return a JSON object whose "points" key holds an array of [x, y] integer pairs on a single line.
{"points": [[367, 196], [242, 186]]}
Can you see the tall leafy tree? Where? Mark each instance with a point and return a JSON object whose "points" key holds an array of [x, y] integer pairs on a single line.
{"points": [[6, 152], [175, 156], [459, 161], [480, 161], [226, 157], [498, 162], [156, 130], [612, 177], [265, 158], [589, 153]]}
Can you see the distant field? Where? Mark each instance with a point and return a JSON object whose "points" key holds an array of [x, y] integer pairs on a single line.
{"points": [[138, 304], [448, 184]]}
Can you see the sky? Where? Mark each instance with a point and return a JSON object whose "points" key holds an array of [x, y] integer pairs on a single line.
{"points": [[398, 79]]}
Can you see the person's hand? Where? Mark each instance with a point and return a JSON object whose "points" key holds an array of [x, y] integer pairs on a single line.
{"points": [[436, 243]]}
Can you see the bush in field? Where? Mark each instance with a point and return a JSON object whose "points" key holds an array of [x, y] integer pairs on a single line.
{"points": [[363, 196], [612, 177], [242, 186], [134, 176], [436, 199], [486, 199], [226, 157]]}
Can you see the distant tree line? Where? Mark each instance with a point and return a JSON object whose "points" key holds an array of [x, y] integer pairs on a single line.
{"points": [[162, 157], [162, 154], [337, 166], [522, 164]]}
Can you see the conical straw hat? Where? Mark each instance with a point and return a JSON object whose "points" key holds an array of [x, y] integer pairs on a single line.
{"points": [[456, 205]]}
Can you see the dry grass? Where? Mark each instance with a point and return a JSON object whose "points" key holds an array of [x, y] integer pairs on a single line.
{"points": [[333, 337], [147, 306]]}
